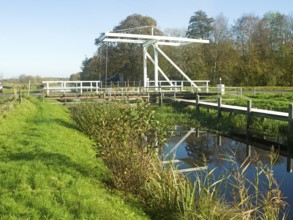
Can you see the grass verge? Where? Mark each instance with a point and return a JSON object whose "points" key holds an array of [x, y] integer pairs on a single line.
{"points": [[49, 170]]}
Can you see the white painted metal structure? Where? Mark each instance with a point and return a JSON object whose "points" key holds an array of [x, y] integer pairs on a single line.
{"points": [[69, 86], [155, 42]]}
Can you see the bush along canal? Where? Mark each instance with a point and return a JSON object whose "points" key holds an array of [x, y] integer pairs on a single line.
{"points": [[229, 181]]}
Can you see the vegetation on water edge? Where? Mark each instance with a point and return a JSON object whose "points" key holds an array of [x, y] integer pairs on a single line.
{"points": [[129, 139], [274, 130], [49, 170]]}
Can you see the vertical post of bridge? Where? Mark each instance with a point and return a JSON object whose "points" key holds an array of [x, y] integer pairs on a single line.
{"points": [[290, 126], [156, 73], [145, 70]]}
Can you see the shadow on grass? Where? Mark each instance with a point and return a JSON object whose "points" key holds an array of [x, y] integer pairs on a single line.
{"points": [[41, 121], [60, 163]]}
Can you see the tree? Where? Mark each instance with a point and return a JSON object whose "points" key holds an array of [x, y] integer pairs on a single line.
{"points": [[200, 25], [122, 58], [175, 32], [248, 66], [277, 29], [74, 77], [220, 53]]}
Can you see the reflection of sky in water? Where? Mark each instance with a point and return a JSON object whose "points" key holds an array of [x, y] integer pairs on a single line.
{"points": [[214, 147]]}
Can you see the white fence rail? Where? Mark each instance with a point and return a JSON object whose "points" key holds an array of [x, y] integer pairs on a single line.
{"points": [[178, 85], [70, 86]]}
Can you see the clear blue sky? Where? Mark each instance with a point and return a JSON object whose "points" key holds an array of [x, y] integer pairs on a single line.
{"points": [[52, 37]]}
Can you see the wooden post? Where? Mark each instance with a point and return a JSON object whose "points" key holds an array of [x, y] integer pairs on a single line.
{"points": [[197, 103], [248, 150], [248, 115], [29, 88], [197, 132], [289, 164], [219, 107], [19, 96], [219, 140], [161, 99], [290, 126], [48, 90]]}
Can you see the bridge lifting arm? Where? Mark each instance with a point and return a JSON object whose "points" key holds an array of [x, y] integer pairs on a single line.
{"points": [[155, 41]]}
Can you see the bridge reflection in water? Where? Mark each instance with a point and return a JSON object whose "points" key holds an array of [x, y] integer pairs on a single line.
{"points": [[199, 149], [195, 148]]}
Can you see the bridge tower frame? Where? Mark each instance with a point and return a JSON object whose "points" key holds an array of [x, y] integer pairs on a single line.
{"points": [[154, 41]]}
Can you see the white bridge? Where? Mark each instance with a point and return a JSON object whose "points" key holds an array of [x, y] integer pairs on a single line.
{"points": [[155, 41], [155, 85]]}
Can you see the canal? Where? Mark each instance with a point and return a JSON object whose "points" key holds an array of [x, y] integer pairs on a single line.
{"points": [[192, 148]]}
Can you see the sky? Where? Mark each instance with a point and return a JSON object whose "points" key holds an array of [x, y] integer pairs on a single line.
{"points": [[51, 38]]}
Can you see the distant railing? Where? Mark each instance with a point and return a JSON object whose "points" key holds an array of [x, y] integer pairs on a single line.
{"points": [[178, 85], [70, 86]]}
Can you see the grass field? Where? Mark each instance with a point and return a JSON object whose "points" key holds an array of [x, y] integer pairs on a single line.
{"points": [[49, 170], [277, 102]]}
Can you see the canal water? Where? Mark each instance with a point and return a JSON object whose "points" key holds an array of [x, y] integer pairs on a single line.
{"points": [[195, 148]]}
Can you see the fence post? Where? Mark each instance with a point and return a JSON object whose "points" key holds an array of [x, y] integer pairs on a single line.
{"points": [[290, 126], [161, 99], [29, 88], [19, 96], [248, 114], [197, 103], [219, 107], [207, 86], [248, 150]]}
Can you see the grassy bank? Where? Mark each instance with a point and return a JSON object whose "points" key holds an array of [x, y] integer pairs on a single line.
{"points": [[49, 170]]}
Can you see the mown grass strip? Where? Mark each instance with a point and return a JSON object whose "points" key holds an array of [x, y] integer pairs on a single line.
{"points": [[48, 169]]}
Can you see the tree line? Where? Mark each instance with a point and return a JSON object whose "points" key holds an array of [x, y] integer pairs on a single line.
{"points": [[253, 51]]}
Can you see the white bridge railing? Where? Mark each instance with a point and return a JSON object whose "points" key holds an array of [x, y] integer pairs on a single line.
{"points": [[70, 86], [179, 85], [98, 86]]}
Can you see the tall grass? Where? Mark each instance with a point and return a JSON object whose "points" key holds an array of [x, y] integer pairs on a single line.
{"points": [[129, 139], [6, 104], [259, 197]]}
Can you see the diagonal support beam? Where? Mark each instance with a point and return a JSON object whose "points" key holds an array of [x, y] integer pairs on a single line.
{"points": [[160, 70], [176, 67]]}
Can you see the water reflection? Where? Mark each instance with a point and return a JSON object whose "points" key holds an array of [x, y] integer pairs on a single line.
{"points": [[205, 147], [199, 148]]}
